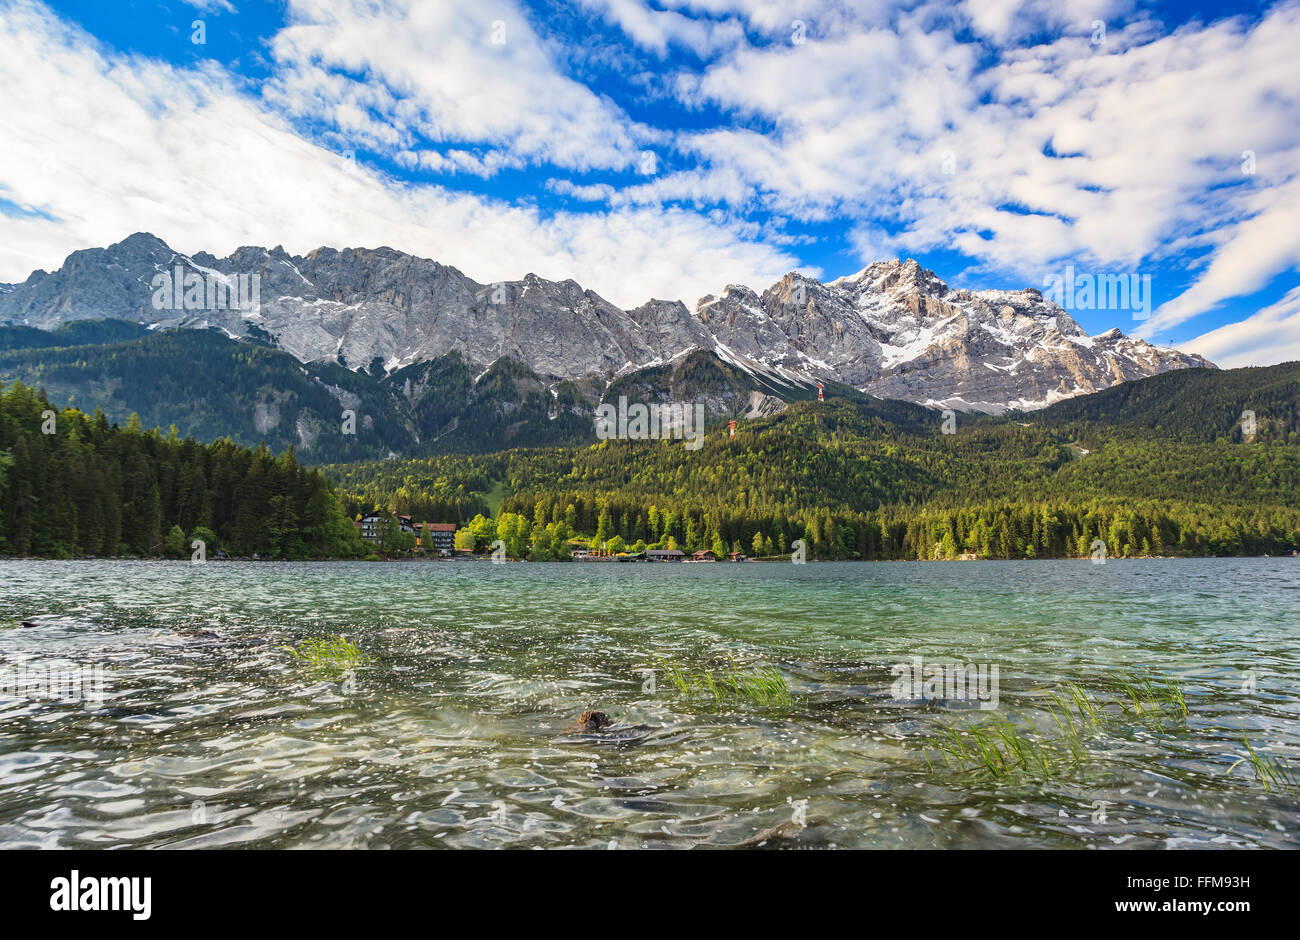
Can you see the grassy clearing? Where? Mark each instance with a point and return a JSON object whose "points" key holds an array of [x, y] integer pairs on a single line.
{"points": [[333, 654], [493, 497], [762, 685]]}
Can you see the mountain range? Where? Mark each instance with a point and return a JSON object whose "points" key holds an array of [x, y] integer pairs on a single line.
{"points": [[893, 330]]}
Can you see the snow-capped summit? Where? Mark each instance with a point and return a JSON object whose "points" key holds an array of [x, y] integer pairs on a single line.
{"points": [[893, 329]]}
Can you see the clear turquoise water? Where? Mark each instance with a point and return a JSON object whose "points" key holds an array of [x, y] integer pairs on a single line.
{"points": [[454, 735]]}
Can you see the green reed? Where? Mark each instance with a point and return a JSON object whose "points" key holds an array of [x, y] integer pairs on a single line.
{"points": [[762, 685], [329, 654], [1272, 772], [997, 749], [1147, 699]]}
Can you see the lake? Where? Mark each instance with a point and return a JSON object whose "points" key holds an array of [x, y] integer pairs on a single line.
{"points": [[158, 704]]}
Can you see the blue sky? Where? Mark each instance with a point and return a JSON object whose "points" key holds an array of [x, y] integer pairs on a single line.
{"points": [[667, 148]]}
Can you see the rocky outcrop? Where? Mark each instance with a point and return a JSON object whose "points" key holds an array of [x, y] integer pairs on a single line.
{"points": [[893, 330]]}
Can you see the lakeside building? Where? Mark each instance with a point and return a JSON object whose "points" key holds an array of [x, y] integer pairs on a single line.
{"points": [[439, 537], [664, 554], [704, 555], [369, 525]]}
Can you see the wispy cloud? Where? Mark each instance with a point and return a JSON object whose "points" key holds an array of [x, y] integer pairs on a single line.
{"points": [[404, 73], [1101, 147], [208, 6], [1268, 337]]}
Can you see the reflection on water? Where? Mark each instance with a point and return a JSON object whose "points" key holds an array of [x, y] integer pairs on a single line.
{"points": [[459, 729]]}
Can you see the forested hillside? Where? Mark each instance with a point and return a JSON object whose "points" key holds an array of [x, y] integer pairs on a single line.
{"points": [[855, 484], [1161, 466], [73, 484], [210, 386], [1192, 405]]}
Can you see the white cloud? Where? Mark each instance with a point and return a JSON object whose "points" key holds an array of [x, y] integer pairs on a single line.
{"points": [[1266, 338], [207, 6], [99, 145], [412, 73], [1250, 253], [1006, 20], [659, 29], [905, 132]]}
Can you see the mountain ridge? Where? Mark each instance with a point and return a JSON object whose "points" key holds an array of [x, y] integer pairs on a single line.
{"points": [[891, 330]]}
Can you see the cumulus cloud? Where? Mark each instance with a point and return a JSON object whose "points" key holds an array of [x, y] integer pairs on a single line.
{"points": [[453, 71], [657, 30]]}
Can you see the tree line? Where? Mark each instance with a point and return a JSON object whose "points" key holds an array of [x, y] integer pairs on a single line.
{"points": [[74, 484]]}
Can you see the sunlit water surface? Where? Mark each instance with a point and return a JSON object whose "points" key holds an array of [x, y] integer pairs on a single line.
{"points": [[457, 732]]}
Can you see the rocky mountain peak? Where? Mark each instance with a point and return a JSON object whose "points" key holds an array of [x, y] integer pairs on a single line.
{"points": [[893, 329]]}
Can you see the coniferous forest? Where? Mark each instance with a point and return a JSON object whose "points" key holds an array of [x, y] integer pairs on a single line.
{"points": [[1162, 466], [72, 484]]}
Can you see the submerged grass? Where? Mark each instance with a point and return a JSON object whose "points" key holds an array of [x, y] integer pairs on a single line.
{"points": [[1272, 772], [329, 654], [762, 685], [1149, 700], [999, 750]]}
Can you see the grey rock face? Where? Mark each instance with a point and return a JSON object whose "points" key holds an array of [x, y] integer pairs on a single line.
{"points": [[893, 330]]}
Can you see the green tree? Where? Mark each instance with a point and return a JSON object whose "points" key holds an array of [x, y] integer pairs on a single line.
{"points": [[174, 545]]}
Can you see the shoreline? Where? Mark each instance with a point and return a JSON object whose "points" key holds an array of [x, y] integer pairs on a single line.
{"points": [[487, 559]]}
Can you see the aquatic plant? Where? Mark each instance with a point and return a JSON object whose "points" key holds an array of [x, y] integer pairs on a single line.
{"points": [[1000, 750], [330, 654], [1272, 772], [1147, 699], [763, 685], [1154, 703]]}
